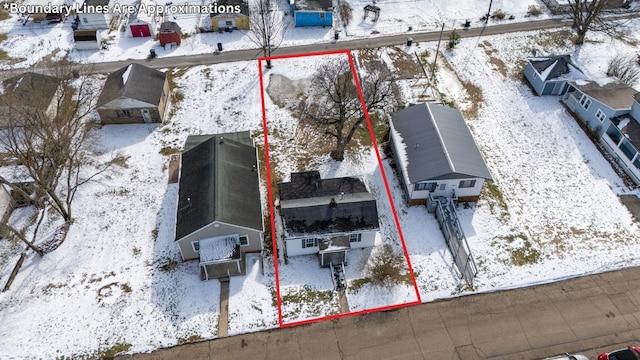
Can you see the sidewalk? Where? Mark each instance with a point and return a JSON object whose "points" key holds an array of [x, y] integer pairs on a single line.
{"points": [[584, 315]]}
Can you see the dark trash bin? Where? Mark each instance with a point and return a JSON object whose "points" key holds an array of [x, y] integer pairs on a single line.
{"points": [[467, 23], [409, 41], [336, 36], [219, 46], [152, 53]]}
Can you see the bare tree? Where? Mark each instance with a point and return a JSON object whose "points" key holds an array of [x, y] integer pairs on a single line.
{"points": [[267, 27], [625, 69], [334, 101], [49, 136], [593, 15]]}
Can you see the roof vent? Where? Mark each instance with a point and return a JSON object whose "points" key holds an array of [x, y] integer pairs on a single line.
{"points": [[221, 140]]}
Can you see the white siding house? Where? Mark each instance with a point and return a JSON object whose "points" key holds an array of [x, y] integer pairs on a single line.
{"points": [[436, 154], [327, 217]]}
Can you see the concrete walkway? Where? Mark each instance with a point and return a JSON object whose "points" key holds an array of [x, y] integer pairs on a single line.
{"points": [[585, 315], [223, 320]]}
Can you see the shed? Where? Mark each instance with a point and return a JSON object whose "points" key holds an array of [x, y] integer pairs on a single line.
{"points": [[142, 23], [170, 33], [312, 12], [231, 20], [87, 39], [550, 75]]}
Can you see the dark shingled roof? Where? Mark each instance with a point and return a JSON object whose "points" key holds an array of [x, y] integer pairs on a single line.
{"points": [[218, 182], [308, 185], [32, 89], [438, 143], [560, 65], [326, 212], [85, 35], [143, 84]]}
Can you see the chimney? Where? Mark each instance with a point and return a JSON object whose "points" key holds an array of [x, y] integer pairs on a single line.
{"points": [[221, 140]]}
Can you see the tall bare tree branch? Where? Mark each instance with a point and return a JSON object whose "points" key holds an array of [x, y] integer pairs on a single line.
{"points": [[267, 27]]}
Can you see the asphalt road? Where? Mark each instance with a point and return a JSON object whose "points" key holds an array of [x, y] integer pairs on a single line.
{"points": [[587, 315], [252, 54]]}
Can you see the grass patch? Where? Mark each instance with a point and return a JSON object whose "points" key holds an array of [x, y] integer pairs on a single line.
{"points": [[357, 284], [523, 253], [190, 339], [475, 96], [167, 264], [116, 349], [310, 301], [386, 267], [168, 150], [497, 206], [120, 160]]}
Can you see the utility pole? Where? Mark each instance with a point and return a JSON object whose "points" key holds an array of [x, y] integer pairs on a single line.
{"points": [[433, 67], [486, 20]]}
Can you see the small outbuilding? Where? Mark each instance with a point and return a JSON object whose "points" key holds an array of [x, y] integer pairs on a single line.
{"points": [[312, 12], [142, 22], [87, 39], [231, 20], [95, 15], [550, 75], [170, 33], [133, 94]]}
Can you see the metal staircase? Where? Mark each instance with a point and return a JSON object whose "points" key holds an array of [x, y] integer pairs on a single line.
{"points": [[444, 209]]}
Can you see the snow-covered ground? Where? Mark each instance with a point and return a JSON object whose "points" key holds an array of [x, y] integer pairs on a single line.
{"points": [[55, 41], [118, 279]]}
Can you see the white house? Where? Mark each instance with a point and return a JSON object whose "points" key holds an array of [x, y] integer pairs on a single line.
{"points": [[327, 217], [436, 154], [95, 15]]}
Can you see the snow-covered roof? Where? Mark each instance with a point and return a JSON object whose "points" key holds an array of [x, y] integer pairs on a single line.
{"points": [[219, 249], [435, 143], [556, 67]]}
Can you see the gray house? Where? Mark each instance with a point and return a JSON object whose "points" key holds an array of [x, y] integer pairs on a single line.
{"points": [[550, 75], [28, 93], [436, 154], [133, 94], [219, 216], [327, 217], [596, 104]]}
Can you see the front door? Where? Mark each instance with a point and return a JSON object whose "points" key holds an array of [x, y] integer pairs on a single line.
{"points": [[146, 115]]}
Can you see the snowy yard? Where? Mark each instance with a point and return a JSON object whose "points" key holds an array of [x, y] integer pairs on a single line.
{"points": [[55, 41], [117, 280]]}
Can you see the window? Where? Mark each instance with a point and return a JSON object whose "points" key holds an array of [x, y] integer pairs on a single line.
{"points": [[322, 15], [627, 149], [425, 186], [123, 113], [244, 240], [467, 184], [442, 187], [614, 134], [85, 20], [355, 238], [600, 115], [585, 102], [309, 242], [228, 23], [196, 246]]}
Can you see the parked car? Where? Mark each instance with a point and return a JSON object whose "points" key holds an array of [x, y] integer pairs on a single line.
{"points": [[630, 353], [568, 356]]}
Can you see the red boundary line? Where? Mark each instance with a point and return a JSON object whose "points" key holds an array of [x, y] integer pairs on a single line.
{"points": [[382, 172]]}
